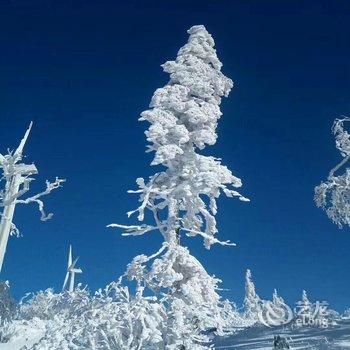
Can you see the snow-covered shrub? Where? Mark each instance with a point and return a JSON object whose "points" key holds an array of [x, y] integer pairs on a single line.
{"points": [[113, 319], [46, 304]]}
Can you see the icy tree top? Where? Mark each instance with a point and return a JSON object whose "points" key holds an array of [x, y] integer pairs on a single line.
{"points": [[185, 112], [304, 303], [333, 195], [183, 117], [250, 287]]}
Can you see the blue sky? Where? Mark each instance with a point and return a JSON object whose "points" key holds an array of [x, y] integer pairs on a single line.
{"points": [[84, 70]]}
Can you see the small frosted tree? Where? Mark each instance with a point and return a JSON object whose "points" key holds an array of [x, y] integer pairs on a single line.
{"points": [[346, 314], [252, 302], [183, 117], [333, 195], [305, 308], [275, 312], [316, 314], [7, 303], [277, 300]]}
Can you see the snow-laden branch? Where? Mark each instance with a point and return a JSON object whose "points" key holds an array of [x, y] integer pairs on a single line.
{"points": [[18, 177], [333, 195], [145, 191], [134, 230], [50, 186], [14, 230], [342, 142], [209, 238], [338, 166]]}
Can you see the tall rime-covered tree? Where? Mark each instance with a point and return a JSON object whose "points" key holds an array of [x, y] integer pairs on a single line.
{"points": [[252, 302], [333, 195], [183, 117]]}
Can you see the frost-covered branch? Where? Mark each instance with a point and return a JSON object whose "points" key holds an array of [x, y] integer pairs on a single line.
{"points": [[14, 230], [50, 186], [210, 239], [134, 230], [333, 195]]}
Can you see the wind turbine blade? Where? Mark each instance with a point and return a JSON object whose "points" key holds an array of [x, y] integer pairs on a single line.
{"points": [[70, 256], [73, 264], [65, 281], [19, 149], [71, 283]]}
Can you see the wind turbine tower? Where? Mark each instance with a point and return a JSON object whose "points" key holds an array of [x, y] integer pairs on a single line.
{"points": [[71, 271]]}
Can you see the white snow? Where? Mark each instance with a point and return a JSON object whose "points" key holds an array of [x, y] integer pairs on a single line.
{"points": [[260, 338], [25, 335]]}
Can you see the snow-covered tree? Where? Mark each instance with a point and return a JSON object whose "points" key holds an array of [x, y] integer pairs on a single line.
{"points": [[233, 318], [333, 195], [318, 314], [275, 312], [7, 303], [346, 314], [16, 178], [305, 308], [183, 117], [252, 302]]}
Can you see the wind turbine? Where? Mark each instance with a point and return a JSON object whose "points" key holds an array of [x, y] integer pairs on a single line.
{"points": [[14, 179], [71, 271], [18, 177]]}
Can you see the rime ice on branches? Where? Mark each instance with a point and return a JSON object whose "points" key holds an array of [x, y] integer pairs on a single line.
{"points": [[183, 117], [333, 195]]}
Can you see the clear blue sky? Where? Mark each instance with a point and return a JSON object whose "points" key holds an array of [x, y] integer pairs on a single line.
{"points": [[84, 70]]}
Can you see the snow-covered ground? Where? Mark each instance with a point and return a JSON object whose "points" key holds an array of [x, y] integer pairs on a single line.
{"points": [[337, 337], [255, 338], [25, 335]]}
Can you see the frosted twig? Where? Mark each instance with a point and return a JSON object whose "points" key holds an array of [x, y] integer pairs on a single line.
{"points": [[50, 186], [208, 237], [134, 230]]}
